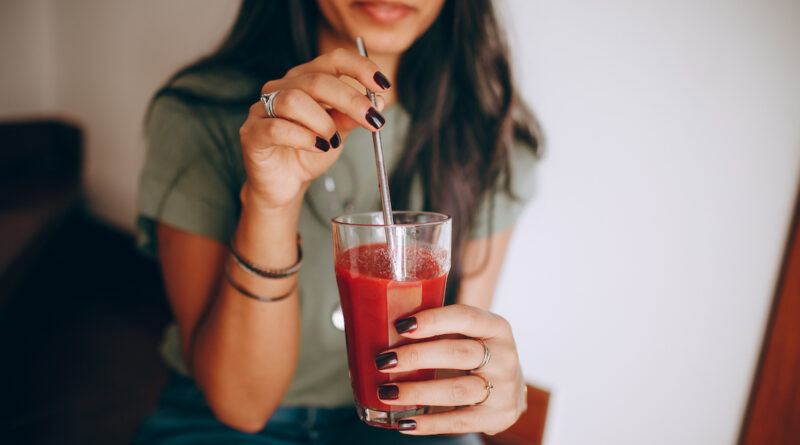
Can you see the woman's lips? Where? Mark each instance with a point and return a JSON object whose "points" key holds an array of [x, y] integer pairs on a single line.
{"points": [[383, 12]]}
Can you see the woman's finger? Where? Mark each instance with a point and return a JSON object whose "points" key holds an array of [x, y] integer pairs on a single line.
{"points": [[341, 62], [266, 133], [333, 92], [456, 391], [471, 419], [455, 319], [297, 106], [463, 354], [344, 123]]}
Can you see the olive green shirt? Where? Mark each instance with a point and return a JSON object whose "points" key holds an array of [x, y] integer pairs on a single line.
{"points": [[191, 180]]}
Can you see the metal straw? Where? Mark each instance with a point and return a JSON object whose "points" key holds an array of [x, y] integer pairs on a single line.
{"points": [[383, 184]]}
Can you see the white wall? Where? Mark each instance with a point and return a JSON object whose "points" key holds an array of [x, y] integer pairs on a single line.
{"points": [[640, 277], [98, 62], [111, 57], [26, 51]]}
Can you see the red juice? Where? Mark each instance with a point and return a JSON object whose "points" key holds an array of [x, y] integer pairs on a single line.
{"points": [[372, 301]]}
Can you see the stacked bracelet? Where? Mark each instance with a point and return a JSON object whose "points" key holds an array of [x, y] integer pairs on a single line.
{"points": [[265, 273], [249, 294], [270, 273]]}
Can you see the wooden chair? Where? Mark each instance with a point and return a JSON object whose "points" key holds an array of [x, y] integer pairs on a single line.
{"points": [[40, 177]]}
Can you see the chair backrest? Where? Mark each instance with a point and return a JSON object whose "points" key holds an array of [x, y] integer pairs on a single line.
{"points": [[37, 154]]}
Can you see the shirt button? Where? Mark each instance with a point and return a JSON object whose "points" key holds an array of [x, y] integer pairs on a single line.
{"points": [[337, 318]]}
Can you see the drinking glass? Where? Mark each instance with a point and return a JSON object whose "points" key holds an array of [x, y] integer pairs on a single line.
{"points": [[386, 273]]}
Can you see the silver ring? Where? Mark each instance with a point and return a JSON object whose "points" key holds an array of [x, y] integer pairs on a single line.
{"points": [[268, 99], [487, 385], [487, 354]]}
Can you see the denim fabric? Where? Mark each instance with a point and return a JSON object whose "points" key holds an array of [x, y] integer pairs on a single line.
{"points": [[184, 418]]}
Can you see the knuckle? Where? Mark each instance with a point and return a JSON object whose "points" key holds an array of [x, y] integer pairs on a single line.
{"points": [[289, 99], [315, 81], [459, 393], [292, 71], [459, 350], [502, 420], [506, 360], [338, 54], [504, 323], [271, 129], [427, 319], [412, 357], [269, 86], [458, 424], [461, 310], [509, 417], [411, 393], [469, 315]]}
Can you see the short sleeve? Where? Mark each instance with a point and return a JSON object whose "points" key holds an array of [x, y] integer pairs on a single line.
{"points": [[187, 181], [499, 211]]}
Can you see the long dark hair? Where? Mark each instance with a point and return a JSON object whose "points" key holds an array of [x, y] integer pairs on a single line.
{"points": [[455, 82]]}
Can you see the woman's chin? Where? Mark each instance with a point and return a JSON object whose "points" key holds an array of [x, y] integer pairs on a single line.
{"points": [[389, 27], [378, 39], [386, 43]]}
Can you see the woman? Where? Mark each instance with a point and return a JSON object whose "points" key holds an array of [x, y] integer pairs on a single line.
{"points": [[218, 174]]}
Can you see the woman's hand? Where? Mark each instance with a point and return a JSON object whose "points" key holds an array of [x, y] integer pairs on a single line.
{"points": [[315, 111], [476, 412]]}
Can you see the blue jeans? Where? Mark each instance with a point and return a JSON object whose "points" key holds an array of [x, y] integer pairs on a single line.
{"points": [[184, 418]]}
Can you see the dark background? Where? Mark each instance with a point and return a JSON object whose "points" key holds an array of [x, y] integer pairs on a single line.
{"points": [[81, 310], [79, 339]]}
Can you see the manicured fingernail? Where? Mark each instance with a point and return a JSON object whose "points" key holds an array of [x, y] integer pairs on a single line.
{"points": [[405, 325], [386, 360], [374, 118], [407, 425], [336, 140], [381, 80], [388, 392], [322, 144]]}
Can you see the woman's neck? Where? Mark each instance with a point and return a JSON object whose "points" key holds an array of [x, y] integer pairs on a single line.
{"points": [[329, 40]]}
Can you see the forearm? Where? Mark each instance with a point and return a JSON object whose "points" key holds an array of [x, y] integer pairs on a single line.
{"points": [[244, 351]]}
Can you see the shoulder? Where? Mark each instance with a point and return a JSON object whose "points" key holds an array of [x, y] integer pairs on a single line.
{"points": [[525, 151], [202, 91], [217, 83], [204, 104], [500, 207], [523, 160], [520, 173]]}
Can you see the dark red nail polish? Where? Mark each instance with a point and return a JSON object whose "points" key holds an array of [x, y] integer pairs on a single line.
{"points": [[336, 140], [322, 144], [388, 392], [381, 80], [386, 360], [405, 325], [374, 118], [407, 425]]}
